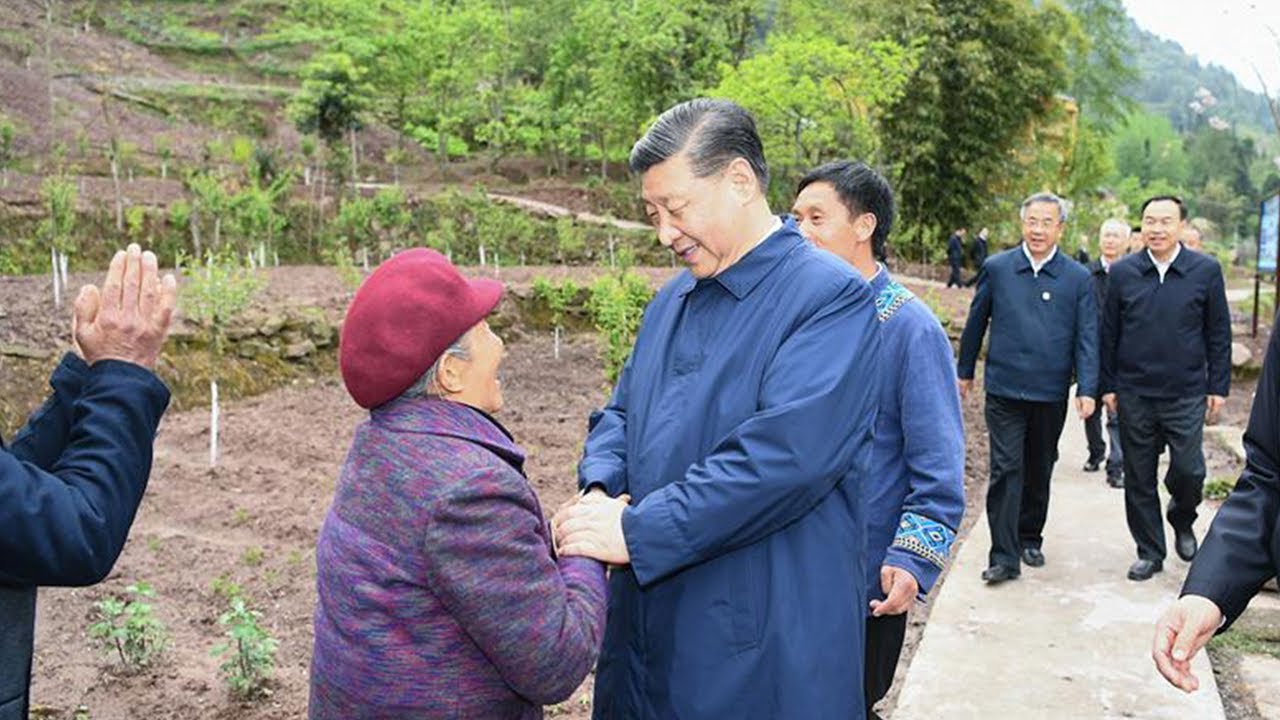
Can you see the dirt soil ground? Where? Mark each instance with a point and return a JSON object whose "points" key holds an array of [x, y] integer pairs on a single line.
{"points": [[254, 520]]}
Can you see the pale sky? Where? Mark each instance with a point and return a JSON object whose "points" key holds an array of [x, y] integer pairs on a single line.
{"points": [[1230, 33]]}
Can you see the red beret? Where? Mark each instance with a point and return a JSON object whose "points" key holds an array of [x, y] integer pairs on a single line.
{"points": [[403, 318]]}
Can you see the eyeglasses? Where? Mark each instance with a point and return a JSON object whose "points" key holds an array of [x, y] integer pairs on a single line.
{"points": [[1034, 224]]}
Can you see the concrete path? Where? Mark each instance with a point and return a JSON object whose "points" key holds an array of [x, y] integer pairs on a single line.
{"points": [[1070, 640]]}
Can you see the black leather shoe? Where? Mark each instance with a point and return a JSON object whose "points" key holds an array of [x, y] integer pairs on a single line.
{"points": [[1184, 542], [1144, 569], [1092, 466], [1033, 557], [1115, 481], [999, 573]]}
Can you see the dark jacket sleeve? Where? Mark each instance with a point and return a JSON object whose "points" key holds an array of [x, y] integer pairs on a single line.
{"points": [[1086, 350], [1217, 336], [44, 437], [1239, 551], [1109, 337], [976, 326], [67, 525]]}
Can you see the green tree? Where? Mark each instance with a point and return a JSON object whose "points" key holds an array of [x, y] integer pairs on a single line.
{"points": [[814, 99], [989, 70], [331, 104]]}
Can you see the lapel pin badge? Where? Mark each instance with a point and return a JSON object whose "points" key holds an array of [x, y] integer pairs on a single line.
{"points": [[1045, 296]]}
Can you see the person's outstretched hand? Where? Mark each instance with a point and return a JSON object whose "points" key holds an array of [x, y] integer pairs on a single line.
{"points": [[128, 319], [1181, 631], [1085, 406]]}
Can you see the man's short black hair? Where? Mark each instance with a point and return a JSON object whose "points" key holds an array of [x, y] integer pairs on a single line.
{"points": [[712, 132], [862, 190], [1182, 207]]}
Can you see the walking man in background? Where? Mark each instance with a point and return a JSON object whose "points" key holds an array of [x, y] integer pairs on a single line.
{"points": [[1166, 363], [1111, 243], [1043, 315], [914, 492], [1191, 238], [980, 245], [955, 257]]}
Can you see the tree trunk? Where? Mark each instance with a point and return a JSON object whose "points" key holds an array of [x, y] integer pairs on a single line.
{"points": [[115, 182], [355, 172]]}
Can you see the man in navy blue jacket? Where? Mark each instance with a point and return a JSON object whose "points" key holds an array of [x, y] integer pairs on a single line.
{"points": [[1044, 329], [1166, 363], [1242, 548], [74, 475]]}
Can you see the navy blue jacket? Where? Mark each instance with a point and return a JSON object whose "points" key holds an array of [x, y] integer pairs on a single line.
{"points": [[1170, 339], [69, 487], [955, 250], [742, 428], [979, 251], [1242, 548], [1044, 328]]}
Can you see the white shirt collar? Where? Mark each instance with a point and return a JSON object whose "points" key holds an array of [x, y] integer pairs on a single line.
{"points": [[1036, 267], [1163, 267]]}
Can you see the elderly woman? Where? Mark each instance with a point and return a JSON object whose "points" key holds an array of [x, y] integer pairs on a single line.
{"points": [[439, 593]]}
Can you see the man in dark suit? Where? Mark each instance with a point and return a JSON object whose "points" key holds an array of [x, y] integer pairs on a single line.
{"points": [[1166, 363], [955, 257], [980, 245], [1242, 548], [1111, 243], [1044, 329]]}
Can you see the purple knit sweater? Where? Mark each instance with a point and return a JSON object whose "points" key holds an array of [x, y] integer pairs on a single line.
{"points": [[438, 594]]}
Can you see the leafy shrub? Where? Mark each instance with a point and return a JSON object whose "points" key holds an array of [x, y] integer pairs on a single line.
{"points": [[617, 305], [249, 651], [129, 628]]}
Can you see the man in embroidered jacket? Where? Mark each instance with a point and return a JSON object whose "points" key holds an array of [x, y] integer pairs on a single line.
{"points": [[914, 492]]}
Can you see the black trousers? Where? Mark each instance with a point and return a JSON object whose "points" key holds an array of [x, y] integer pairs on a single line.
{"points": [[1098, 445], [1024, 446], [1146, 425], [885, 635], [955, 278]]}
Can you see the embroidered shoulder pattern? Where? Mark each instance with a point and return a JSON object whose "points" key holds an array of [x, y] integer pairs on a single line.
{"points": [[922, 536], [891, 299]]}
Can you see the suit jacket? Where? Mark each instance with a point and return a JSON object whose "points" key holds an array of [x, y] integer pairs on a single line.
{"points": [[1242, 548], [1101, 279], [1044, 328]]}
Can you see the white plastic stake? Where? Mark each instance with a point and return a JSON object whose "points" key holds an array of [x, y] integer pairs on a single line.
{"points": [[364, 255], [497, 264], [481, 254], [557, 346], [213, 423], [262, 255], [53, 261], [611, 262], [276, 256], [62, 269]]}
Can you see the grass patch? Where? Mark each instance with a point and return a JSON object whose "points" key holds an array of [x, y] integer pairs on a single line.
{"points": [[1243, 642], [1219, 487]]}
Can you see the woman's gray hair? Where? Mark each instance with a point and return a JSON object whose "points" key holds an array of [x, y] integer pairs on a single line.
{"points": [[1064, 206], [426, 385]]}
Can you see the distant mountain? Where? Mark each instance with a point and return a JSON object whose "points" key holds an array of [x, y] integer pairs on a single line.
{"points": [[1170, 78]]}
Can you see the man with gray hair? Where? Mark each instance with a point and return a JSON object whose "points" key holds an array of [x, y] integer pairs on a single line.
{"points": [[1043, 316], [741, 427], [1111, 243]]}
